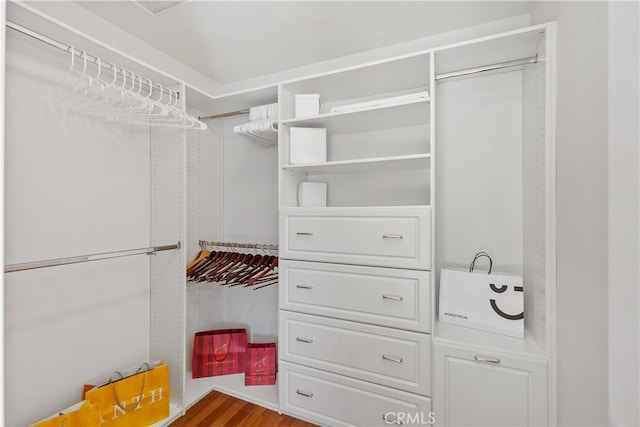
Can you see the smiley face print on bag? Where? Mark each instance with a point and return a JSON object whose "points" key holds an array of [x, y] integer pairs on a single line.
{"points": [[494, 305]]}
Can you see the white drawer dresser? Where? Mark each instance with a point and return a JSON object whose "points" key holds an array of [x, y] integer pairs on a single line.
{"points": [[349, 331]]}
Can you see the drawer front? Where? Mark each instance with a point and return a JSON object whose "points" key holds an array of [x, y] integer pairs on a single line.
{"points": [[380, 296], [330, 399], [390, 357], [379, 237]]}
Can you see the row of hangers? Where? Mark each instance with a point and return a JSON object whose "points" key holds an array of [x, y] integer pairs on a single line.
{"points": [[235, 264], [116, 94]]}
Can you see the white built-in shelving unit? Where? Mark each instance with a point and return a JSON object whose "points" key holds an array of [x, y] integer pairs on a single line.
{"points": [[370, 245]]}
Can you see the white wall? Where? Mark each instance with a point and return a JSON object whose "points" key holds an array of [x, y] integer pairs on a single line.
{"points": [[624, 213], [74, 186], [582, 213], [381, 53], [84, 21]]}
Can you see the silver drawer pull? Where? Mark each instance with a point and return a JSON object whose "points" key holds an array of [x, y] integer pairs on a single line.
{"points": [[304, 340], [304, 287], [304, 393], [392, 358], [388, 421], [300, 233], [392, 236], [392, 297], [486, 359]]}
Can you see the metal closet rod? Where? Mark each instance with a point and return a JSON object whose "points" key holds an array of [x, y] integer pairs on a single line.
{"points": [[231, 114], [508, 64], [239, 245], [223, 115], [84, 258], [81, 54]]}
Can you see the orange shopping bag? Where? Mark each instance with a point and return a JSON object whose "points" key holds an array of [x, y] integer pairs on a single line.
{"points": [[139, 399], [82, 414]]}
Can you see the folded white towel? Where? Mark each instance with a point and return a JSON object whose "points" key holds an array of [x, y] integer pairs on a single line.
{"points": [[264, 112], [264, 130]]}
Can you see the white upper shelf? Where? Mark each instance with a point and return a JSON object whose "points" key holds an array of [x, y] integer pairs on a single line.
{"points": [[379, 77], [501, 48], [391, 163], [410, 113]]}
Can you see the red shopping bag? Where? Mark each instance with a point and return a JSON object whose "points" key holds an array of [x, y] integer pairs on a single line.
{"points": [[219, 352], [260, 364]]}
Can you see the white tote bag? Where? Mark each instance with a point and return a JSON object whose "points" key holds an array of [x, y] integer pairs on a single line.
{"points": [[488, 301]]}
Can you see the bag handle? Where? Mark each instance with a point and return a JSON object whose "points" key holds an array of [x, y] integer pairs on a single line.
{"points": [[480, 255], [139, 401], [111, 377], [147, 364]]}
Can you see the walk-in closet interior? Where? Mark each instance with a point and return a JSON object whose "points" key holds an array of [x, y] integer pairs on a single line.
{"points": [[125, 164]]}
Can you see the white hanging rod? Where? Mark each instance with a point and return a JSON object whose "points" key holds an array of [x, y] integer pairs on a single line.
{"points": [[231, 245], [83, 55], [508, 64], [84, 258], [223, 115]]}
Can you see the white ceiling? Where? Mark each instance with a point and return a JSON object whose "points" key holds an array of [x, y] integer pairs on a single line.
{"points": [[229, 41]]}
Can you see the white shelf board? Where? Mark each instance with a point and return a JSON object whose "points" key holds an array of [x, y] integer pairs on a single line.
{"points": [[406, 162], [210, 105], [377, 77], [459, 335], [495, 49], [333, 210], [233, 385], [410, 113]]}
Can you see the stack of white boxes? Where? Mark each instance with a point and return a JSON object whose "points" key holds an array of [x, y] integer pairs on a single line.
{"points": [[309, 146]]}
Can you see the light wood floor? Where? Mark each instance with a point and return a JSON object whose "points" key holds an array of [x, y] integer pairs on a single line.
{"points": [[218, 409]]}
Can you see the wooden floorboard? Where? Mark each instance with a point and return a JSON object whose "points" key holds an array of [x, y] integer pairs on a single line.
{"points": [[220, 410]]}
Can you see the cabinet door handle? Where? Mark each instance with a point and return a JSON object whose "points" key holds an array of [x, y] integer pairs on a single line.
{"points": [[303, 233], [392, 358], [304, 340], [486, 359], [392, 236], [388, 421], [392, 297], [304, 393], [304, 287]]}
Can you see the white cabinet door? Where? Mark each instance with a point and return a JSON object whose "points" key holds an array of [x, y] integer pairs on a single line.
{"points": [[481, 388]]}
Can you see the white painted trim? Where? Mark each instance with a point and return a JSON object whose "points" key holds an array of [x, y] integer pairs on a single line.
{"points": [[550, 218], [540, 27], [2, 147], [432, 185]]}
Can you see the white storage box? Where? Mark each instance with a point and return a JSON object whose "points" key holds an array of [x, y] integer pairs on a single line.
{"points": [[307, 145], [312, 194], [307, 105]]}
